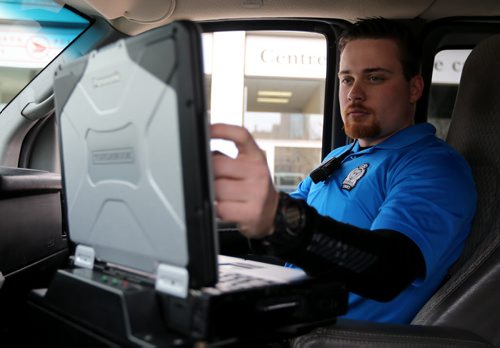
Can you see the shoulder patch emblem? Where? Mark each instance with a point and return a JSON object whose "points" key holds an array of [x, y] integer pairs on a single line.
{"points": [[354, 176]]}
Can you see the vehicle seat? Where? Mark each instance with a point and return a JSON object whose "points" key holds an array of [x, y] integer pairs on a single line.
{"points": [[465, 310]]}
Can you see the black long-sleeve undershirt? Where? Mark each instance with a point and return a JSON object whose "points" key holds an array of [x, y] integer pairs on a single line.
{"points": [[375, 264]]}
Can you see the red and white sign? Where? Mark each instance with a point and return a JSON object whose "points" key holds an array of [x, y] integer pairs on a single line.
{"points": [[26, 47]]}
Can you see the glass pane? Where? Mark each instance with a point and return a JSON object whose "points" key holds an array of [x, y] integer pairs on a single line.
{"points": [[445, 79], [272, 83], [32, 34]]}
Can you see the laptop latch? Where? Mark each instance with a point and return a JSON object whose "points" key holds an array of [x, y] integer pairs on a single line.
{"points": [[84, 256], [172, 280]]}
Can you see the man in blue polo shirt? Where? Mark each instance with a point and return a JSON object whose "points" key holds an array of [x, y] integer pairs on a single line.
{"points": [[389, 214]]}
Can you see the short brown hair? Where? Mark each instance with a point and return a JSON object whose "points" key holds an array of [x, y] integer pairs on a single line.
{"points": [[382, 28]]}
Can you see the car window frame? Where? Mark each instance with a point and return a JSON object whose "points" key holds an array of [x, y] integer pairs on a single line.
{"points": [[332, 133], [449, 34]]}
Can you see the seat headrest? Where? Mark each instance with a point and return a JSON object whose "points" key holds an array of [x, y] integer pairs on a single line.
{"points": [[474, 127]]}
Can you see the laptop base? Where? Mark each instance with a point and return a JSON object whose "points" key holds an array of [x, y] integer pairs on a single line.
{"points": [[129, 312], [277, 308]]}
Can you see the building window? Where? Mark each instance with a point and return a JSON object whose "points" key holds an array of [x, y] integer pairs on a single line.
{"points": [[272, 83]]}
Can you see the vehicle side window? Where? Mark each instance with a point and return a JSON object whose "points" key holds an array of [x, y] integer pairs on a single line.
{"points": [[446, 74], [30, 38], [272, 83]]}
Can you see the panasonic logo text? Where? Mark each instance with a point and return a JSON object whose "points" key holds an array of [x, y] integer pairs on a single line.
{"points": [[112, 156], [106, 80]]}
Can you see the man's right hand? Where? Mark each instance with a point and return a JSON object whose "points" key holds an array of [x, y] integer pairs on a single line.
{"points": [[244, 191]]}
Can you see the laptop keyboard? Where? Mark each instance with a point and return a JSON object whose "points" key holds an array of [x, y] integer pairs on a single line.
{"points": [[230, 281]]}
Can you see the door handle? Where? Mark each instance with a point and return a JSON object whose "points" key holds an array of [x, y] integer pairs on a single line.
{"points": [[38, 110]]}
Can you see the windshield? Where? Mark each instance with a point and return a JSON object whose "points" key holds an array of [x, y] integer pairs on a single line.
{"points": [[32, 34]]}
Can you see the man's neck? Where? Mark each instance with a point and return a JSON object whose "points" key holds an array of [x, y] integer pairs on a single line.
{"points": [[369, 142]]}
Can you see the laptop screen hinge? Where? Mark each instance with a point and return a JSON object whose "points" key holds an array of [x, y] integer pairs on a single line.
{"points": [[84, 256], [172, 280]]}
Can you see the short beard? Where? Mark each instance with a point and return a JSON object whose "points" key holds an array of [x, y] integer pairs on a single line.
{"points": [[362, 131]]}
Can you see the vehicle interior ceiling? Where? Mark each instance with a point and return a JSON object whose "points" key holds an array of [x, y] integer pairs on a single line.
{"points": [[132, 17]]}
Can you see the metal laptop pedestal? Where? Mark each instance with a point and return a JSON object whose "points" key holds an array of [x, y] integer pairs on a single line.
{"points": [[86, 308]]}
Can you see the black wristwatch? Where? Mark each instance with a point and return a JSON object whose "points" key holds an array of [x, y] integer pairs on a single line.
{"points": [[289, 224], [290, 217]]}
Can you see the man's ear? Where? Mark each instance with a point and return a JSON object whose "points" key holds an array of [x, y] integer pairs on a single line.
{"points": [[416, 88]]}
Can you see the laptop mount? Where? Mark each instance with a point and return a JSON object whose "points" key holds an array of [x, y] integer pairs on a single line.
{"points": [[170, 280]]}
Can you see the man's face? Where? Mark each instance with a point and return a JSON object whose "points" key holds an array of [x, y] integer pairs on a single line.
{"points": [[376, 100]]}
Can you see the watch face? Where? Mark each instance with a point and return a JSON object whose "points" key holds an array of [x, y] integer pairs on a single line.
{"points": [[292, 217]]}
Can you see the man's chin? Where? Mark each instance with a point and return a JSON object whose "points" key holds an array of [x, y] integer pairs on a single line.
{"points": [[357, 131]]}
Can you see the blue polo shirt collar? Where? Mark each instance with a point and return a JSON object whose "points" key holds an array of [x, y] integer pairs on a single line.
{"points": [[404, 137]]}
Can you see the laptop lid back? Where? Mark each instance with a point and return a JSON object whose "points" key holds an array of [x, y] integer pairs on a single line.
{"points": [[135, 155]]}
